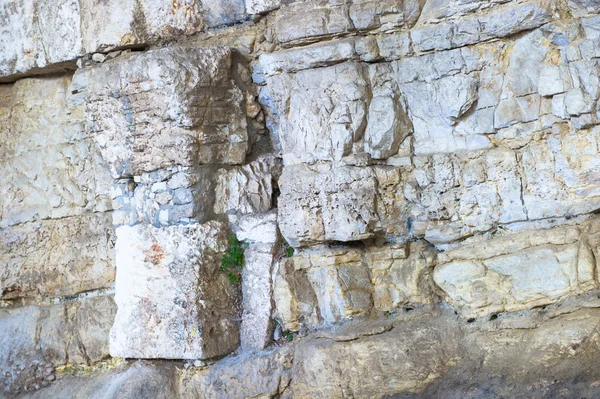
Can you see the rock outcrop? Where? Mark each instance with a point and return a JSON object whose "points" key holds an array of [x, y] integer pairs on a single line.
{"points": [[293, 199]]}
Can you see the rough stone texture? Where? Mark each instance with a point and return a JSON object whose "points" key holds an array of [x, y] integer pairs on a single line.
{"points": [[36, 339], [140, 380], [340, 281], [143, 122], [57, 258], [434, 164], [295, 300], [54, 38], [360, 101], [323, 203], [245, 189], [165, 197], [256, 329], [401, 274], [518, 271], [173, 301], [50, 168], [47, 36]]}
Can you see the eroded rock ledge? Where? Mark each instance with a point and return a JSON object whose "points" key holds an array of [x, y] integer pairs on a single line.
{"points": [[279, 198]]}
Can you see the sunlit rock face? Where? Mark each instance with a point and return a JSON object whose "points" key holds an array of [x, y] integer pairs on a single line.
{"points": [[292, 199]]}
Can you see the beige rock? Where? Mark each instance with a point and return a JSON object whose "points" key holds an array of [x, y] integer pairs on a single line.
{"points": [[57, 258], [401, 274], [47, 336], [340, 280], [295, 300], [50, 169], [516, 272]]}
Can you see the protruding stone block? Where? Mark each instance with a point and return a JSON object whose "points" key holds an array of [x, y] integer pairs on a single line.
{"points": [[173, 302], [172, 106]]}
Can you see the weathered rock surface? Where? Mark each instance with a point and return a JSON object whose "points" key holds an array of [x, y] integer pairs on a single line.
{"points": [[36, 339], [143, 122], [518, 271], [246, 189], [57, 258], [432, 163], [422, 354], [46, 37], [50, 168], [173, 303]]}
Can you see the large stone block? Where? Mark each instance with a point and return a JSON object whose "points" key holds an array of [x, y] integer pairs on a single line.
{"points": [[306, 130], [57, 258], [143, 121], [173, 302], [327, 204], [517, 271], [107, 25], [55, 36], [50, 35], [463, 194], [50, 169], [364, 109]]}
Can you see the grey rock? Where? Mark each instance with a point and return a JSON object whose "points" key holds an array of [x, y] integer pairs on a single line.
{"points": [[156, 123], [57, 258], [257, 330]]}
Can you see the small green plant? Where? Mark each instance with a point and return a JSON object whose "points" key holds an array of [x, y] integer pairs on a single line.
{"points": [[233, 259], [287, 250], [287, 334]]}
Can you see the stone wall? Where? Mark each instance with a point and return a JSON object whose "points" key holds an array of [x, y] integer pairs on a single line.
{"points": [[413, 184]]}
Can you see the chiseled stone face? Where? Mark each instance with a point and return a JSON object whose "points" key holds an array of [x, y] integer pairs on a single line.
{"points": [[166, 107], [173, 302]]}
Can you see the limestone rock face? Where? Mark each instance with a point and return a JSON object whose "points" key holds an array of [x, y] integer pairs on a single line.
{"points": [[56, 258], [51, 168], [401, 274], [173, 303], [47, 36], [38, 338], [55, 38], [142, 122], [414, 187], [324, 204], [246, 189], [518, 271]]}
